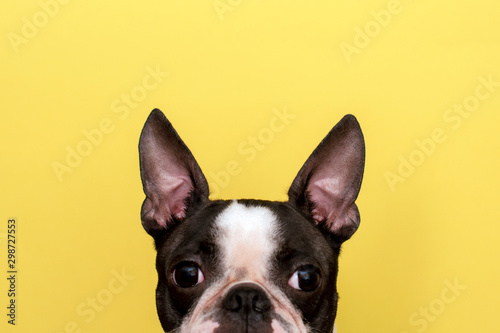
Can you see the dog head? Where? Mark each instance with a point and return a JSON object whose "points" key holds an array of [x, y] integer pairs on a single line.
{"points": [[249, 265]]}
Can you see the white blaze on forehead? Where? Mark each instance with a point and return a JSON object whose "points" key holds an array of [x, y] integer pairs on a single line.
{"points": [[247, 238]]}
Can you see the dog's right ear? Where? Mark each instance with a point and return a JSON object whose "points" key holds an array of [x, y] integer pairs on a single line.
{"points": [[172, 179], [329, 181]]}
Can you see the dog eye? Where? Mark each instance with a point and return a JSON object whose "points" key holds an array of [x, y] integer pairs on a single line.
{"points": [[306, 278], [187, 274]]}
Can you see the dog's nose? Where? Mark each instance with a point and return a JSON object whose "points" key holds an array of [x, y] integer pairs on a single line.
{"points": [[247, 300]]}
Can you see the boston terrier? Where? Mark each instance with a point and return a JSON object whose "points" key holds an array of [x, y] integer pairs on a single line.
{"points": [[250, 266]]}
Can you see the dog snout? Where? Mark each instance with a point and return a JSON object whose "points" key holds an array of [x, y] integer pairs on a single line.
{"points": [[247, 301]]}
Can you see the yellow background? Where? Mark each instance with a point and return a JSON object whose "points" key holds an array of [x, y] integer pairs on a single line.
{"points": [[229, 66]]}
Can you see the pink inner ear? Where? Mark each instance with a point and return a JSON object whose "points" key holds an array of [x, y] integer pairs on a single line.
{"points": [[175, 191], [325, 194], [166, 200]]}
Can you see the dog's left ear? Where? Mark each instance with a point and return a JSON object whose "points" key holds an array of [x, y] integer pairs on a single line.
{"points": [[172, 179], [329, 181]]}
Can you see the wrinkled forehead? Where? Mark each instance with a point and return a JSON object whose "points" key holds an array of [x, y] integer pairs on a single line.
{"points": [[247, 237]]}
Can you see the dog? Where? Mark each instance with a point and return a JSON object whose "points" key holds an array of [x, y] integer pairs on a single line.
{"points": [[253, 266]]}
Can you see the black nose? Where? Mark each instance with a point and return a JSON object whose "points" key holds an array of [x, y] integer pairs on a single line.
{"points": [[247, 300]]}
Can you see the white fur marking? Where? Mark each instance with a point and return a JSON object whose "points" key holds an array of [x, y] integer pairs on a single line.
{"points": [[247, 239], [205, 327], [276, 327]]}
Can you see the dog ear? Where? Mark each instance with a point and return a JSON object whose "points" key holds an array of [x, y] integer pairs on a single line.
{"points": [[172, 179], [329, 181]]}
